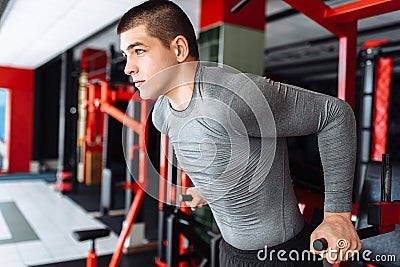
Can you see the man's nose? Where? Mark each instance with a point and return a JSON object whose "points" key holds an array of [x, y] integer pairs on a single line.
{"points": [[130, 68]]}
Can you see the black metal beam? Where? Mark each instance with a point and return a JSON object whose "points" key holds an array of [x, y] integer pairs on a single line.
{"points": [[3, 7], [281, 15], [239, 6]]}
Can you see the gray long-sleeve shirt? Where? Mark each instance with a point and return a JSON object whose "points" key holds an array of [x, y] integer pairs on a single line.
{"points": [[231, 141]]}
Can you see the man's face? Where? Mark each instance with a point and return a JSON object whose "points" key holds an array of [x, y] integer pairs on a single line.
{"points": [[145, 56]]}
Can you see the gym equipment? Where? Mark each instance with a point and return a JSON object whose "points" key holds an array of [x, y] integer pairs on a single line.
{"points": [[383, 215], [185, 198], [377, 59], [67, 122], [107, 98], [183, 241], [90, 123], [180, 223], [387, 244], [92, 234]]}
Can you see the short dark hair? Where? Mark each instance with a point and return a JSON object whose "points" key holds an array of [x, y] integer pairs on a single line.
{"points": [[163, 20]]}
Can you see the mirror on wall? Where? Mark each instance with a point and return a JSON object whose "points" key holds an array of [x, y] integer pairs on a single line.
{"points": [[4, 129]]}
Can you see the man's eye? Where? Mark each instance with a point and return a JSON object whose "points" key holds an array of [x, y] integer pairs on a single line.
{"points": [[139, 51]]}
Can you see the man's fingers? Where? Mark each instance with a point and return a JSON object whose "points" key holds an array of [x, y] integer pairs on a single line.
{"points": [[186, 197]]}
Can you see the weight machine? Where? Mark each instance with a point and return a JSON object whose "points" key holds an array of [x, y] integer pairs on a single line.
{"points": [[181, 243], [109, 94]]}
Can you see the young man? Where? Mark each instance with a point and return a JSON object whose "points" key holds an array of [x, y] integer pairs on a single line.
{"points": [[229, 132]]}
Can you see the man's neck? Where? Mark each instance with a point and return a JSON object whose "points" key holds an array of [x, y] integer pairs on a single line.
{"points": [[180, 96]]}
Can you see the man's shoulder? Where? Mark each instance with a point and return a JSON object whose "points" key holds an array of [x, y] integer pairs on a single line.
{"points": [[229, 74], [232, 80], [159, 112], [161, 103]]}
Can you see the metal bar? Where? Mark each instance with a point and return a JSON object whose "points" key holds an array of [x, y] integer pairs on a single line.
{"points": [[143, 139], [64, 133], [315, 10], [163, 171], [5, 8], [162, 198], [170, 158], [184, 184], [141, 129], [325, 40], [239, 6], [347, 63], [173, 241], [133, 211], [360, 10], [121, 117], [365, 125], [281, 15], [390, 49], [386, 179], [130, 142]]}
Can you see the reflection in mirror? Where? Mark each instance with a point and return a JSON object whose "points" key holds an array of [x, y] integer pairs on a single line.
{"points": [[4, 126]]}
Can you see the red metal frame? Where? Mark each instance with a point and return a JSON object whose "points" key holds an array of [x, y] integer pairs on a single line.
{"points": [[105, 104], [91, 259], [185, 184], [384, 68], [360, 10], [163, 171], [342, 22], [163, 181]]}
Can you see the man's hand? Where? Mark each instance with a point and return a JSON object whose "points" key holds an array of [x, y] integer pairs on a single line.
{"points": [[197, 201], [341, 235]]}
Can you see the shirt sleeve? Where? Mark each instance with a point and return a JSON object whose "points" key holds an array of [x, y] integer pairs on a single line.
{"points": [[298, 112]]}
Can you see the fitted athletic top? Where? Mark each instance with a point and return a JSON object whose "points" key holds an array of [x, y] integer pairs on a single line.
{"points": [[231, 141]]}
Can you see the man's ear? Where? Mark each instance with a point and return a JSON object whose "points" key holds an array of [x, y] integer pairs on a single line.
{"points": [[181, 48]]}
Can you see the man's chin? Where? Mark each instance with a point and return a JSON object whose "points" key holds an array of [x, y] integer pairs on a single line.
{"points": [[146, 95]]}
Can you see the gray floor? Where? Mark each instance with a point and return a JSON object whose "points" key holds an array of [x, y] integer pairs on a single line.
{"points": [[36, 225]]}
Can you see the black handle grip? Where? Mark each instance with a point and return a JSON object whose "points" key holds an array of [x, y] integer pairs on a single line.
{"points": [[320, 244], [185, 198]]}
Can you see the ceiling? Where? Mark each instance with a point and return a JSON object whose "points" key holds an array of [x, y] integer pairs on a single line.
{"points": [[33, 32]]}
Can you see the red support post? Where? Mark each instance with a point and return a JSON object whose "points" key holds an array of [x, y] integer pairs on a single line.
{"points": [[163, 171], [91, 259], [185, 184], [130, 218], [108, 97], [143, 140], [347, 63], [139, 194]]}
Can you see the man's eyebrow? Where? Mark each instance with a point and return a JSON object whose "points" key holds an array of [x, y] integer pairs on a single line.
{"points": [[132, 46]]}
